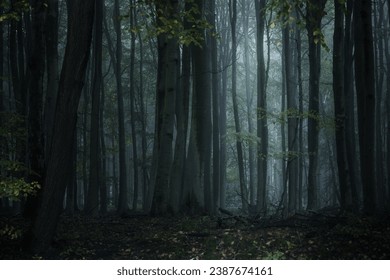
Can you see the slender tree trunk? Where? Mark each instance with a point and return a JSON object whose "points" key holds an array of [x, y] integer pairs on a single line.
{"points": [[132, 105], [123, 191], [2, 93], [350, 139], [314, 14], [51, 38], [378, 106], [145, 177], [262, 129], [249, 100], [92, 206], [339, 103], [36, 68], [243, 188], [215, 83], [387, 52], [103, 150], [300, 95]]}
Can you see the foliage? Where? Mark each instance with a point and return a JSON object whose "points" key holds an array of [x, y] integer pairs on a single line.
{"points": [[16, 189], [11, 232], [287, 12], [13, 136], [13, 11], [186, 26]]}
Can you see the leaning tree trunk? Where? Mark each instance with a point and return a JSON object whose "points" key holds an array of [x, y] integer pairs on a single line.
{"points": [[59, 161]]}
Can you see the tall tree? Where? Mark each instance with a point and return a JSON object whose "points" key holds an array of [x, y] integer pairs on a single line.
{"points": [[349, 93], [292, 120], [92, 206], [245, 8], [314, 15], [262, 129], [123, 191], [365, 90], [339, 100], [215, 83], [132, 104], [51, 45], [240, 156], [59, 162], [36, 69]]}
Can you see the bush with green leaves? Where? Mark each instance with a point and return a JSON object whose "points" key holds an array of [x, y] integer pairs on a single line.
{"points": [[13, 171]]}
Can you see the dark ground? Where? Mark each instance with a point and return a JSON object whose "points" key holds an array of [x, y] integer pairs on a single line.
{"points": [[305, 236]]}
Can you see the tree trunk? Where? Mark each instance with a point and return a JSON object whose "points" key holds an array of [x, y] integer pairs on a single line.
{"points": [[350, 139], [92, 206], [59, 161], [36, 68], [166, 90], [132, 105], [249, 101], [292, 123], [339, 103], [51, 38], [215, 84], [243, 188], [314, 14], [365, 90], [123, 191], [262, 129]]}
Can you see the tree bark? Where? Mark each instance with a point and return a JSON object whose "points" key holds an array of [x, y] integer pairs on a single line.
{"points": [[314, 15], [92, 206], [365, 90], [123, 190], [339, 103], [262, 129], [60, 153], [166, 90], [132, 106]]}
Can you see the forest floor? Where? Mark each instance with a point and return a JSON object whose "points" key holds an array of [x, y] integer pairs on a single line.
{"points": [[231, 237]]}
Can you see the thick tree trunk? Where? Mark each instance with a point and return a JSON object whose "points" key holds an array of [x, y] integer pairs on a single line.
{"points": [[365, 89], [59, 161], [166, 90]]}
